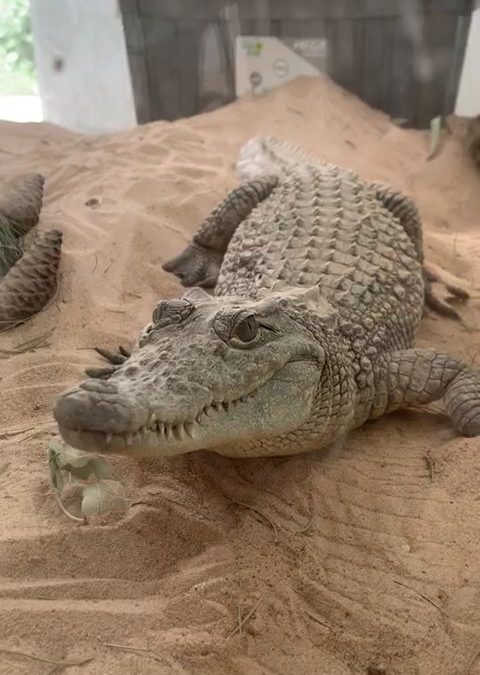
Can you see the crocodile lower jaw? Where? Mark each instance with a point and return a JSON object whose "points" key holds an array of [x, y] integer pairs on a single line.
{"points": [[143, 443], [158, 438]]}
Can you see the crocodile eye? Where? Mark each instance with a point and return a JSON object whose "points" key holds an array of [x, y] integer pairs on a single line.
{"points": [[246, 330]]}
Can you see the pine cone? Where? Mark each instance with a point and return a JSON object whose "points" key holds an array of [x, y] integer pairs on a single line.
{"points": [[19, 211], [32, 281], [21, 206], [11, 248]]}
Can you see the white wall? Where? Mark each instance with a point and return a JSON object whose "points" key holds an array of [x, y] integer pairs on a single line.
{"points": [[468, 97], [82, 65]]}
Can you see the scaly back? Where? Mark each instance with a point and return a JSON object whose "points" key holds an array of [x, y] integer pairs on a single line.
{"points": [[321, 225]]}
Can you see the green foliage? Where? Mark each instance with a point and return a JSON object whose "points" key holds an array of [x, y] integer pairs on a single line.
{"points": [[11, 247], [17, 69], [99, 494], [437, 126]]}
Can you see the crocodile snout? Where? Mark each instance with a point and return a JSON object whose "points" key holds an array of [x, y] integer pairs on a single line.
{"points": [[97, 405]]}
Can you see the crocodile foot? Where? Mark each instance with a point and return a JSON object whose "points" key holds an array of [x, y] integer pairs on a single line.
{"points": [[115, 358], [434, 301], [196, 266]]}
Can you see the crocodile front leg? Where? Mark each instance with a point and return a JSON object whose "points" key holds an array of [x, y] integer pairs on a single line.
{"points": [[199, 263], [421, 376]]}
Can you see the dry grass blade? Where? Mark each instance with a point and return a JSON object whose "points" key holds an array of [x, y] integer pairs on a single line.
{"points": [[425, 597], [241, 623], [33, 342], [316, 618], [472, 662], [30, 345], [141, 650], [273, 525], [42, 659]]}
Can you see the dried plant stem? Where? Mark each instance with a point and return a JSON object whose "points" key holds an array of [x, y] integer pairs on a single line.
{"points": [[141, 650], [238, 628], [56, 497], [42, 659], [273, 525]]}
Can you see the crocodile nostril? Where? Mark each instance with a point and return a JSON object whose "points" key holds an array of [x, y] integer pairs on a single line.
{"points": [[94, 410]]}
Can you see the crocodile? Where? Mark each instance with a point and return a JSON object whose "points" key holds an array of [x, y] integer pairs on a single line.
{"points": [[304, 291]]}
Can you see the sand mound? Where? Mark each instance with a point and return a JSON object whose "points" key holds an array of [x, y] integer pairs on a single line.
{"points": [[373, 559]]}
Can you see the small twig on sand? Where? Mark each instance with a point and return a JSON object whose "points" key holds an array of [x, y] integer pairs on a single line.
{"points": [[15, 432], [156, 505], [425, 597], [108, 266], [52, 662], [140, 650], [243, 620], [431, 465], [314, 617], [306, 529], [263, 515]]}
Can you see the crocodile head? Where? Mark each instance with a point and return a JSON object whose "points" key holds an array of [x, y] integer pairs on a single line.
{"points": [[235, 375]]}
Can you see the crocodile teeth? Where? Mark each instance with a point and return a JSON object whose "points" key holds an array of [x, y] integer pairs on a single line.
{"points": [[182, 430]]}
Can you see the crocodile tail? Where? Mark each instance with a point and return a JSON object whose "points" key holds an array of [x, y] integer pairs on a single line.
{"points": [[268, 155], [254, 159]]}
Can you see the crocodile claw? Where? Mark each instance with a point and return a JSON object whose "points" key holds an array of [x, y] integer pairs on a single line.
{"points": [[115, 358]]}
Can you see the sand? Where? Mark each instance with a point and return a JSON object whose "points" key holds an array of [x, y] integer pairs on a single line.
{"points": [[373, 560]]}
